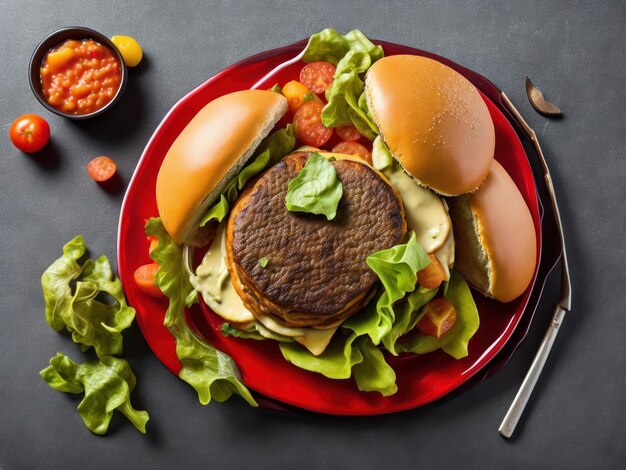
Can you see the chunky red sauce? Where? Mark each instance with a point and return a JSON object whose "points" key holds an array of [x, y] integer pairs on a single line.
{"points": [[80, 76]]}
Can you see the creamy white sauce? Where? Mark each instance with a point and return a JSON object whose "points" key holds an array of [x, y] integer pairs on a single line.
{"points": [[426, 213], [212, 280]]}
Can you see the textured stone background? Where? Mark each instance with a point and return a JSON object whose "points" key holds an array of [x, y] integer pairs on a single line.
{"points": [[575, 51]]}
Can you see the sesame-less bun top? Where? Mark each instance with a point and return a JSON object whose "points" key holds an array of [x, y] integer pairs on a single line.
{"points": [[433, 120], [496, 244], [208, 153]]}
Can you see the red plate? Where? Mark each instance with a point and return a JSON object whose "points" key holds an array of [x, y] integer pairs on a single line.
{"points": [[420, 379]]}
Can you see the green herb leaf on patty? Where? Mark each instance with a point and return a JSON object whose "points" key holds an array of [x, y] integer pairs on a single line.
{"points": [[316, 189]]}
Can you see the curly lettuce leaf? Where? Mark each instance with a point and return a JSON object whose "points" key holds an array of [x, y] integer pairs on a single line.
{"points": [[212, 373], [316, 189], [455, 341], [352, 54], [272, 149], [107, 385], [349, 354], [396, 268], [91, 322], [406, 316]]}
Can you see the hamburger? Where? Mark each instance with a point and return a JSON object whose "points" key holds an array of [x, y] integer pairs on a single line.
{"points": [[336, 286]]}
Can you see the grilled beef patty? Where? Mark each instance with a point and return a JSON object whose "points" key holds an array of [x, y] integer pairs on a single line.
{"points": [[316, 273]]}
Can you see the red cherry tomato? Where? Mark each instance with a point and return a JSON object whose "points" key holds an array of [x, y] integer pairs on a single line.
{"points": [[145, 278], [30, 133], [317, 76], [353, 148], [348, 133], [432, 275], [439, 316], [101, 169], [309, 127]]}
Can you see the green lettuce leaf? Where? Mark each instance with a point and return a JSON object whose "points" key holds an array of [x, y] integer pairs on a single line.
{"points": [[406, 316], [107, 385], [397, 269], [272, 149], [352, 54], [212, 373], [316, 189], [349, 353], [455, 341], [91, 322]]}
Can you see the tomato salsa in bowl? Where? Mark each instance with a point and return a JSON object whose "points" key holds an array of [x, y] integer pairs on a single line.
{"points": [[77, 73]]}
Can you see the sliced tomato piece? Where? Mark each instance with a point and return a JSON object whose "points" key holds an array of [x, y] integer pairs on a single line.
{"points": [[101, 169], [297, 94], [145, 278], [432, 275], [353, 148], [309, 127], [348, 133], [439, 316], [317, 76]]}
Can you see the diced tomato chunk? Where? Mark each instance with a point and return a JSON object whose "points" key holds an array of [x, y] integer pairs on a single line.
{"points": [[439, 316], [432, 275]]}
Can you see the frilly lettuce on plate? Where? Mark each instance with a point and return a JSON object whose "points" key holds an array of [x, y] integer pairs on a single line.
{"points": [[212, 373], [353, 54]]}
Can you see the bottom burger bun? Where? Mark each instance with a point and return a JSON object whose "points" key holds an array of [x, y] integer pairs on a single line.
{"points": [[496, 246], [315, 273]]}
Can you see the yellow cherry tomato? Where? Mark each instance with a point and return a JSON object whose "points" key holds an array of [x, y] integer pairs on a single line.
{"points": [[130, 49], [297, 94]]}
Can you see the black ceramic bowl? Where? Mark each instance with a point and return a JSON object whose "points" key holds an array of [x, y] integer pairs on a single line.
{"points": [[56, 38]]}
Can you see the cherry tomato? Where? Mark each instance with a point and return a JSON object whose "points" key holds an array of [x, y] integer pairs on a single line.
{"points": [[317, 76], [145, 278], [348, 133], [297, 94], [432, 275], [101, 169], [308, 122], [439, 316], [30, 133], [353, 148], [129, 48]]}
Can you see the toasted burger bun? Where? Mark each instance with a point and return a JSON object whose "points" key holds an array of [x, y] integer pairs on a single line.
{"points": [[433, 120], [316, 275], [208, 153], [496, 246]]}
